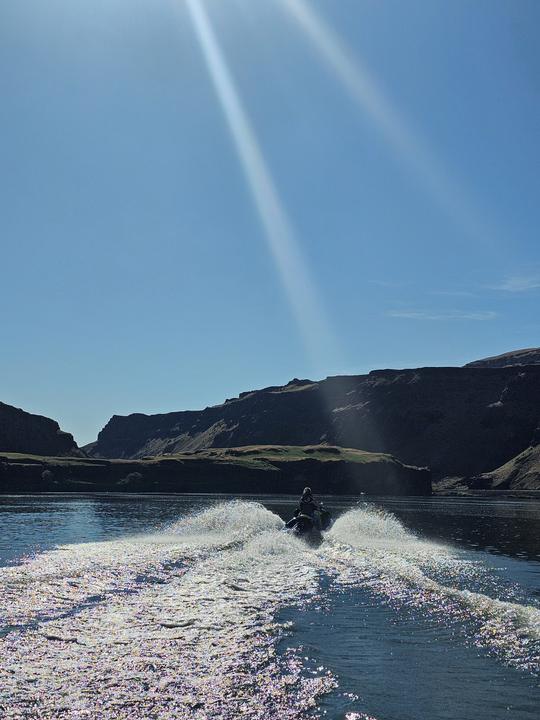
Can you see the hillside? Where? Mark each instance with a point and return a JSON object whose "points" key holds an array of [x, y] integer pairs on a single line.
{"points": [[528, 356], [519, 473], [263, 469], [24, 432], [457, 421]]}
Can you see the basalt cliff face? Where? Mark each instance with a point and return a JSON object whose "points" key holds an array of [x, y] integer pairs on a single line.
{"points": [[457, 421], [23, 432]]}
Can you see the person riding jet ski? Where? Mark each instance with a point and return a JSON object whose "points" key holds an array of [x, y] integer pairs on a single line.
{"points": [[309, 516], [307, 505]]}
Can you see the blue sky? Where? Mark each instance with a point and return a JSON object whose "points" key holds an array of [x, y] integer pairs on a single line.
{"points": [[396, 143]]}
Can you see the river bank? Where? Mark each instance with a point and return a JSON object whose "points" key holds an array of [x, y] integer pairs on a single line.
{"points": [[253, 469]]}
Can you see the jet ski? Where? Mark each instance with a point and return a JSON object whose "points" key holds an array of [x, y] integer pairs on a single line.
{"points": [[310, 527]]}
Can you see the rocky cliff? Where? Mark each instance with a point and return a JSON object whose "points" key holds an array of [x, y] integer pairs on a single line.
{"points": [[528, 356], [458, 421], [23, 432], [519, 473]]}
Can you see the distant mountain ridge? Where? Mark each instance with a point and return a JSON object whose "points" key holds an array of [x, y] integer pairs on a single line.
{"points": [[21, 431], [477, 426], [457, 421], [527, 356]]}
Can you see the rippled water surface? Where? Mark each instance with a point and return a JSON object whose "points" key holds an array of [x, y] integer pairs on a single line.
{"points": [[203, 607]]}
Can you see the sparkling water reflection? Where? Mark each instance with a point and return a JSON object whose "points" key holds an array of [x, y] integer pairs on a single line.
{"points": [[154, 606]]}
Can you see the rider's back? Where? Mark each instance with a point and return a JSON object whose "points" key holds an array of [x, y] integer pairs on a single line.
{"points": [[307, 506]]}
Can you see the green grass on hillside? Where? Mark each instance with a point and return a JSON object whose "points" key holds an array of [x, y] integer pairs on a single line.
{"points": [[284, 453], [259, 456]]}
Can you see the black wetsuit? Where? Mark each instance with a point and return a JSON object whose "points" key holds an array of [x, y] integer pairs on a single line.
{"points": [[307, 506]]}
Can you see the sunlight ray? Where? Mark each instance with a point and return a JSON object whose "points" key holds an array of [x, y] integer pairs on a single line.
{"points": [[281, 239], [362, 87]]}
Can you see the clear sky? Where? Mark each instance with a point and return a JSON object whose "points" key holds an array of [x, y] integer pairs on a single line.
{"points": [[201, 197]]}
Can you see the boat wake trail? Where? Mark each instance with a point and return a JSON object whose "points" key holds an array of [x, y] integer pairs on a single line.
{"points": [[371, 548], [182, 623], [196, 640]]}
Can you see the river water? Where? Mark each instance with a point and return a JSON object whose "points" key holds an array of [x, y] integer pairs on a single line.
{"points": [[117, 607]]}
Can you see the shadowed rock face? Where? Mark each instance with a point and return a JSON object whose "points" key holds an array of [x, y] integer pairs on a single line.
{"points": [[529, 356], [458, 421], [519, 473], [26, 433]]}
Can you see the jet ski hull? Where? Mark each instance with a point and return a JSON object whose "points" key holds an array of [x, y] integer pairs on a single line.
{"points": [[310, 528]]}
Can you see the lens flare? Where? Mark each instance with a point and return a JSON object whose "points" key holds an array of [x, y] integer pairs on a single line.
{"points": [[303, 298], [365, 92]]}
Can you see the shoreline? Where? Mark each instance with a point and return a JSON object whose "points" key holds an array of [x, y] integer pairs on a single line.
{"points": [[282, 497], [275, 469]]}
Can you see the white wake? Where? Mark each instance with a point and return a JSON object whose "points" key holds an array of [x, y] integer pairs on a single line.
{"points": [[182, 623]]}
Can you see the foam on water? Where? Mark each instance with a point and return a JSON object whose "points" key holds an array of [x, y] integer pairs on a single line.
{"points": [[57, 581], [199, 644], [372, 548], [182, 623], [234, 521]]}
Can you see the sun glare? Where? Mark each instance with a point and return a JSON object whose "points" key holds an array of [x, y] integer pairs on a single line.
{"points": [[363, 89], [283, 245]]}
